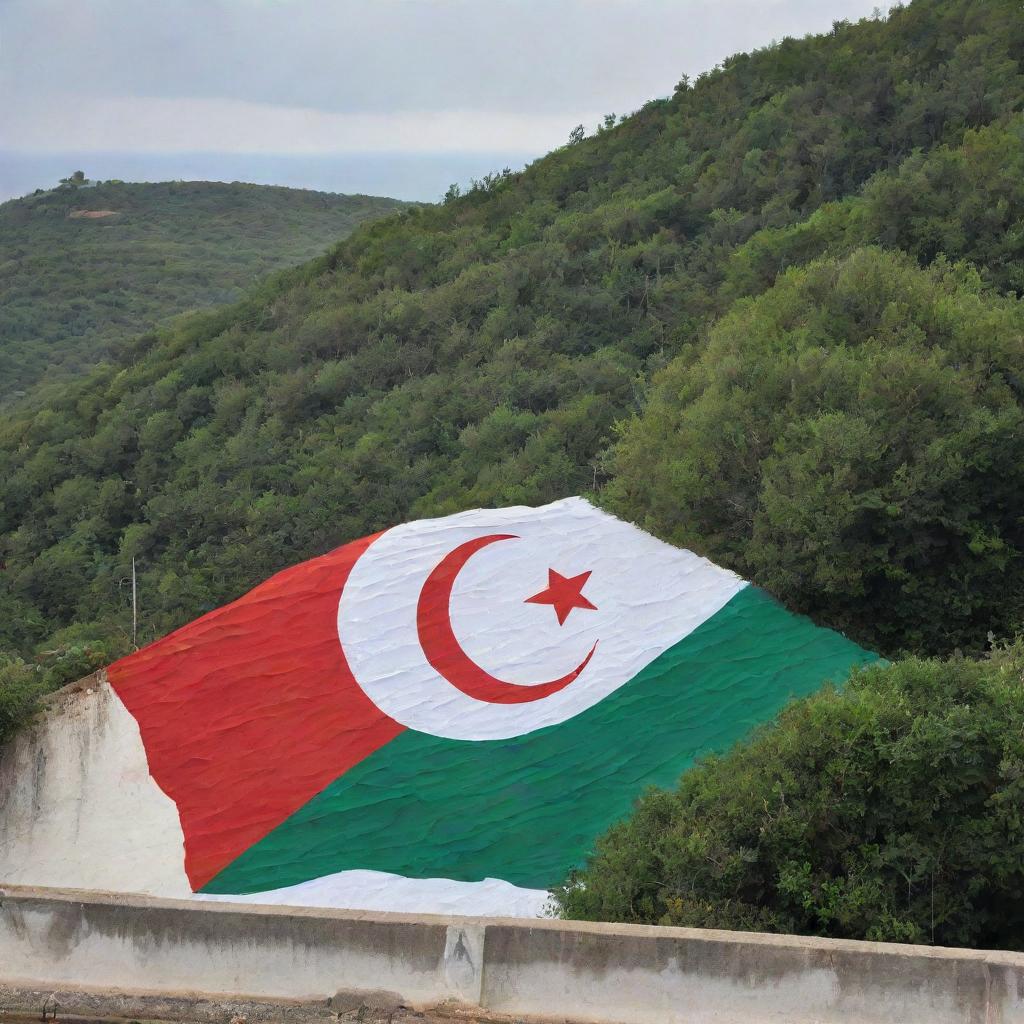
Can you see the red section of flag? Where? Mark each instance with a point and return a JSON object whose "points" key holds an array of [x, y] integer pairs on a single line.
{"points": [[564, 593], [248, 712]]}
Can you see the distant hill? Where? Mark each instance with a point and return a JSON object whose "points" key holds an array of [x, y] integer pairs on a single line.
{"points": [[82, 268]]}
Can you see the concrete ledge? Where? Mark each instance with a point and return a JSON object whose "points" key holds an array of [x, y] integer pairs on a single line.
{"points": [[321, 964], [20, 1005]]}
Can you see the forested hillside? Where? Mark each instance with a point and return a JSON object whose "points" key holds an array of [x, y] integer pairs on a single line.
{"points": [[774, 317], [83, 268]]}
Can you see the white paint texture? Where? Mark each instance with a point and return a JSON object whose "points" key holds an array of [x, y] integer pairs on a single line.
{"points": [[78, 806], [379, 890], [649, 596]]}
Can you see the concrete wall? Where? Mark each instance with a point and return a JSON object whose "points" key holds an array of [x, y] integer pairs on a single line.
{"points": [[78, 806], [64, 940]]}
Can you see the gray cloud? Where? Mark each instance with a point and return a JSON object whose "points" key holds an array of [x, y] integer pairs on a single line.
{"points": [[535, 57]]}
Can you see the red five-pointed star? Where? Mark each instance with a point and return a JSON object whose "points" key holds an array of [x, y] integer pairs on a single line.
{"points": [[564, 593]]}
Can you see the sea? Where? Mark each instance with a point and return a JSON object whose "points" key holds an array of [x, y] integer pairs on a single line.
{"points": [[421, 177]]}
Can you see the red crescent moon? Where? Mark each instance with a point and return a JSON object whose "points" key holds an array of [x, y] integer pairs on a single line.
{"points": [[445, 653]]}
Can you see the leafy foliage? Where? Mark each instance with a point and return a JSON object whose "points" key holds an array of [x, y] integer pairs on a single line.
{"points": [[84, 268], [965, 200], [482, 352], [890, 810], [21, 686], [22, 683], [853, 439]]}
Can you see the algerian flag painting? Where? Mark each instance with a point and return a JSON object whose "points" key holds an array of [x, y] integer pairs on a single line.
{"points": [[445, 716]]}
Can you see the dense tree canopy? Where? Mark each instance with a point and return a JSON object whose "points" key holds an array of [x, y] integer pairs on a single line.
{"points": [[890, 810], [483, 352], [84, 268], [854, 440]]}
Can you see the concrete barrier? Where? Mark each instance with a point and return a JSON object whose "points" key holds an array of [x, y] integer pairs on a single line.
{"points": [[189, 953]]}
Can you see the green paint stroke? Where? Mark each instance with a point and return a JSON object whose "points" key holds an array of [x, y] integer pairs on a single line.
{"points": [[527, 809]]}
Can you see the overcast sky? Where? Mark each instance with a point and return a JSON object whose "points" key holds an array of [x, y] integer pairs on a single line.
{"points": [[357, 76]]}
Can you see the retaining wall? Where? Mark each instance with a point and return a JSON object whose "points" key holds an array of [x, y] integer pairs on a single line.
{"points": [[191, 953]]}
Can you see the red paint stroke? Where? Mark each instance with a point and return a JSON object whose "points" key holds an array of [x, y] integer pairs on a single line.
{"points": [[564, 593]]}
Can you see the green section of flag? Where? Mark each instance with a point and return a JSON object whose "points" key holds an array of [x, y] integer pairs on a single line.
{"points": [[527, 809]]}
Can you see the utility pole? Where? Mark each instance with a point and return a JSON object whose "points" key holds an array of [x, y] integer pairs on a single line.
{"points": [[135, 607]]}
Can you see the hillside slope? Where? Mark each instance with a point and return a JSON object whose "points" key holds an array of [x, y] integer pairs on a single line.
{"points": [[84, 268], [500, 349]]}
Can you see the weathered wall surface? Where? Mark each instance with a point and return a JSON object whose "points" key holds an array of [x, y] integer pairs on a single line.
{"points": [[78, 806], [611, 974]]}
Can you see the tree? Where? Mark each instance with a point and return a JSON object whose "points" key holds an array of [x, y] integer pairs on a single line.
{"points": [[75, 179], [889, 810], [853, 440], [21, 686]]}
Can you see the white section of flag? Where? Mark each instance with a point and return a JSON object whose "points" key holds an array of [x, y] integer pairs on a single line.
{"points": [[649, 596], [378, 890]]}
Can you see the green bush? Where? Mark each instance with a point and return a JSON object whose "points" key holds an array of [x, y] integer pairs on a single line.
{"points": [[853, 441], [23, 683], [21, 686], [890, 810]]}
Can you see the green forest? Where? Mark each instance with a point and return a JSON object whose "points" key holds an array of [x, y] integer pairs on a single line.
{"points": [[775, 317], [74, 285]]}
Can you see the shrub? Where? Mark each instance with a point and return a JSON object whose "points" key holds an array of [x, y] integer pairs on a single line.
{"points": [[21, 686], [23, 683], [853, 441], [890, 810]]}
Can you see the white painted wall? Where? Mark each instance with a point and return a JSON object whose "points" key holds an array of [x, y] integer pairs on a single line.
{"points": [[78, 807]]}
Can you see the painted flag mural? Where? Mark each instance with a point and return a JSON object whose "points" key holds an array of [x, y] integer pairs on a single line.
{"points": [[443, 717]]}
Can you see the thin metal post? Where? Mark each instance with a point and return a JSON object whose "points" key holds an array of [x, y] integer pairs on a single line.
{"points": [[135, 607]]}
